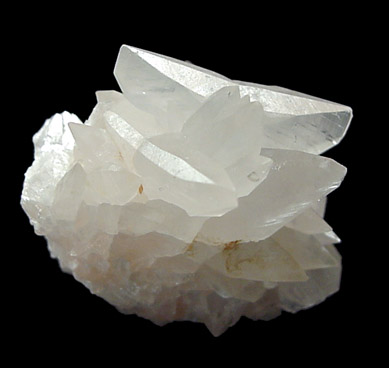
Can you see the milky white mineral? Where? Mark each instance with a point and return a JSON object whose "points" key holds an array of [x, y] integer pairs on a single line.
{"points": [[190, 196]]}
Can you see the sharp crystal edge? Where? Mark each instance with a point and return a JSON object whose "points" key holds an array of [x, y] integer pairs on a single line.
{"points": [[304, 122], [190, 196]]}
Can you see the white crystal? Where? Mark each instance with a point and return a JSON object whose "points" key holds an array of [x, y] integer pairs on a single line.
{"points": [[191, 196], [300, 122]]}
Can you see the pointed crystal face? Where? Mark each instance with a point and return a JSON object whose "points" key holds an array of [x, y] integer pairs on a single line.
{"points": [[296, 121], [191, 196]]}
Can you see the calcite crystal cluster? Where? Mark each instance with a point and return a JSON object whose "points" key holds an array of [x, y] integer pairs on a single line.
{"points": [[190, 196]]}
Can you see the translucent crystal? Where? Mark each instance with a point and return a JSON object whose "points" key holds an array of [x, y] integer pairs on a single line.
{"points": [[296, 121], [190, 196]]}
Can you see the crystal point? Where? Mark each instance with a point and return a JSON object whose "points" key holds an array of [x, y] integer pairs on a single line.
{"points": [[317, 124], [190, 196]]}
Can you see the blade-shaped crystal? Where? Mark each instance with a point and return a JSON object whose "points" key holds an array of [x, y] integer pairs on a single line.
{"points": [[295, 181], [171, 171], [305, 123]]}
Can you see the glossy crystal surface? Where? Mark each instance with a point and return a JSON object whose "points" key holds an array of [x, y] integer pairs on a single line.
{"points": [[190, 196]]}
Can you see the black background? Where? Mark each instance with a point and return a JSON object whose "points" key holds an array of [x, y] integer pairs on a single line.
{"points": [[59, 63]]}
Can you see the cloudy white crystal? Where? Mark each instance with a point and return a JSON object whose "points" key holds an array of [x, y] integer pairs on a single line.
{"points": [[191, 196]]}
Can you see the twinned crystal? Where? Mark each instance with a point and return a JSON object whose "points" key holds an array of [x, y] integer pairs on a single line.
{"points": [[190, 196]]}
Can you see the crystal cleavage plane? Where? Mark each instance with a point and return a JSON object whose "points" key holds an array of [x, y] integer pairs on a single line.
{"points": [[190, 196]]}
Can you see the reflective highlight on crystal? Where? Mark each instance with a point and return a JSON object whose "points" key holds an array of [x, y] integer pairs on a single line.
{"points": [[189, 196]]}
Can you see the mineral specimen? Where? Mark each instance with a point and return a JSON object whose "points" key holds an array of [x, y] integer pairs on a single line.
{"points": [[190, 196]]}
